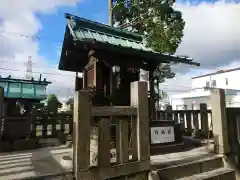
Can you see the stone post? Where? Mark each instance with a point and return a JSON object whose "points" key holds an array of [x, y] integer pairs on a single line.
{"points": [[81, 133], [139, 99], [219, 121], [204, 119]]}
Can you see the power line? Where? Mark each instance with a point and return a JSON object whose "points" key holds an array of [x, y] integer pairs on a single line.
{"points": [[161, 85], [18, 62], [35, 72], [35, 37], [32, 37]]}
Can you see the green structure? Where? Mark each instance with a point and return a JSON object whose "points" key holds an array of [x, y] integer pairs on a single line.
{"points": [[24, 89], [19, 97]]}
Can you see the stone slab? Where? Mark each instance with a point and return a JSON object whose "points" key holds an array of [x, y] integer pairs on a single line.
{"points": [[46, 161]]}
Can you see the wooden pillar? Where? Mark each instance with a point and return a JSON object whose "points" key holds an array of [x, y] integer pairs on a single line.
{"points": [[104, 142], [139, 99], [219, 120], [182, 121], [189, 123], [124, 88], [195, 122], [1, 109], [81, 133], [122, 141], [204, 119], [169, 113], [152, 96]]}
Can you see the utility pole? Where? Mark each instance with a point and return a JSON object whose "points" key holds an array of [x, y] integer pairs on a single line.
{"points": [[110, 13], [28, 74]]}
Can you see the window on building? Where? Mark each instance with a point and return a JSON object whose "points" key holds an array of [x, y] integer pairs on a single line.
{"points": [[27, 89], [40, 89], [14, 87], [207, 84], [214, 83]]}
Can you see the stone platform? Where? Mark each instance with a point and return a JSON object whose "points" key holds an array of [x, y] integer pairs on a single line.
{"points": [[46, 161]]}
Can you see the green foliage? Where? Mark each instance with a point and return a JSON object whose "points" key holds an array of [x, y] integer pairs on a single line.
{"points": [[156, 20], [53, 103], [161, 25]]}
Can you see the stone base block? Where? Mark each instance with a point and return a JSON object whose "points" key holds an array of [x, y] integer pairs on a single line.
{"points": [[23, 144], [6, 146]]}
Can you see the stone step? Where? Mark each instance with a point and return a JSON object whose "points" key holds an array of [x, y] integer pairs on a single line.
{"points": [[191, 168], [217, 174]]}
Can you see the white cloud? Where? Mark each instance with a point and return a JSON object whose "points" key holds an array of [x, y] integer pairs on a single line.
{"points": [[211, 37], [17, 19], [211, 32]]}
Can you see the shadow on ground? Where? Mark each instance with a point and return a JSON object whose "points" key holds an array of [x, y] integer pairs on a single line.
{"points": [[49, 167]]}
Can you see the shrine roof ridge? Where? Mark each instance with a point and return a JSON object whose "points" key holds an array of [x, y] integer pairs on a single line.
{"points": [[83, 23]]}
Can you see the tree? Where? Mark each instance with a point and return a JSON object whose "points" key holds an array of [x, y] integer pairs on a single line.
{"points": [[161, 25], [53, 103]]}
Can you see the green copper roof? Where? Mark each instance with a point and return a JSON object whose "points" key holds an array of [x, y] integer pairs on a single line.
{"points": [[81, 23], [85, 32], [83, 29]]}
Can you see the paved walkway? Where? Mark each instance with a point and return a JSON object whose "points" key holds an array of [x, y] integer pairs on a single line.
{"points": [[31, 163], [47, 161]]}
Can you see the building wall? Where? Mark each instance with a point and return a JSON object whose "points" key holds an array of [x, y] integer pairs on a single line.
{"points": [[189, 103], [200, 94], [232, 100], [227, 80]]}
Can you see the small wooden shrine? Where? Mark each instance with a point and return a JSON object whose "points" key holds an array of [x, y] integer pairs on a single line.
{"points": [[110, 59]]}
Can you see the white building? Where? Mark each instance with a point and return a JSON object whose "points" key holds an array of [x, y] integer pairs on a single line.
{"points": [[201, 87], [65, 107]]}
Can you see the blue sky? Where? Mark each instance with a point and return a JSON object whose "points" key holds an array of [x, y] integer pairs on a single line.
{"points": [[54, 24], [209, 24]]}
